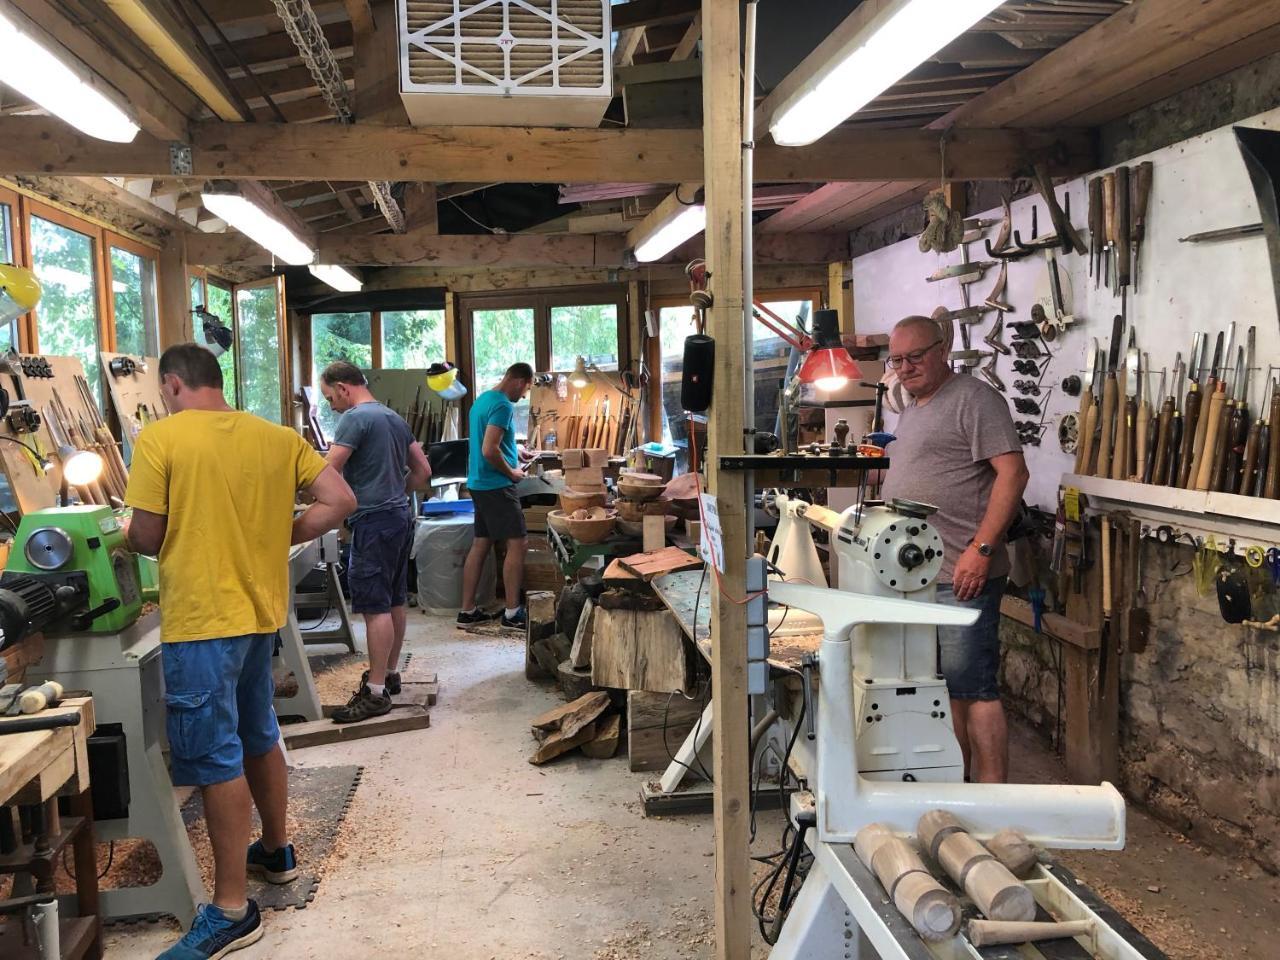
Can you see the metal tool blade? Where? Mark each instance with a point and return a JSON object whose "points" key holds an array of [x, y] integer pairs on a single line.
{"points": [[1164, 375], [1237, 384], [1132, 369], [1146, 379], [1100, 370], [1197, 346], [1217, 357], [1091, 362], [1231, 342], [1113, 349], [1180, 378], [1251, 341]]}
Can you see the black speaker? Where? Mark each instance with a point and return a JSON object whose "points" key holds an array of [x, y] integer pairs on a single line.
{"points": [[698, 374]]}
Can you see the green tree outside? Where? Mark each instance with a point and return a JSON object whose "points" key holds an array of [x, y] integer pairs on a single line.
{"points": [[259, 339], [67, 315]]}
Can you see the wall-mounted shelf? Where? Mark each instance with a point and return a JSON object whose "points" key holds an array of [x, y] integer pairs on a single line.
{"points": [[1224, 516]]}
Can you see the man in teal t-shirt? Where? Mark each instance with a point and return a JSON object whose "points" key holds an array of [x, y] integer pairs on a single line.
{"points": [[493, 470]]}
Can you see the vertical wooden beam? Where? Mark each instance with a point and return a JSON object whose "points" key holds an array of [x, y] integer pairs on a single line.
{"points": [[722, 145], [637, 342], [451, 331], [375, 339], [840, 293], [174, 291], [377, 55]]}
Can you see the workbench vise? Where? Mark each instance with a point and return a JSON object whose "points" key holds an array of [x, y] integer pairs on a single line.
{"points": [[69, 568]]}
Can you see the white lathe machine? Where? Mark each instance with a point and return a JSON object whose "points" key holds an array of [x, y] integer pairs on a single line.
{"points": [[878, 747]]}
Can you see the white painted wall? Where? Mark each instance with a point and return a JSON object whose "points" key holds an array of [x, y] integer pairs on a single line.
{"points": [[1199, 184]]}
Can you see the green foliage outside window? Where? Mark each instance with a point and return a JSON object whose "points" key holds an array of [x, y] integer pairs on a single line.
{"points": [[259, 339], [338, 336], [219, 305], [133, 290], [590, 332], [412, 339], [67, 316]]}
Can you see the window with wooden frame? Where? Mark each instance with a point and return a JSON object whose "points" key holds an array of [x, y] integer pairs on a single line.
{"points": [[216, 297], [13, 252]]}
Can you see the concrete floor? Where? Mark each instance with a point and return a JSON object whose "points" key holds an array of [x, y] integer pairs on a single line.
{"points": [[454, 841]]}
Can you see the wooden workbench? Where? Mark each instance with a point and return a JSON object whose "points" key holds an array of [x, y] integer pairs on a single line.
{"points": [[37, 767]]}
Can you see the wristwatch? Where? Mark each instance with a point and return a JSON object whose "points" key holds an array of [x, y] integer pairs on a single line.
{"points": [[985, 549]]}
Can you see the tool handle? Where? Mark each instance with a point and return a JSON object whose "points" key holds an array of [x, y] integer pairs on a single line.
{"points": [[1089, 428], [1237, 439], [1250, 458], [1222, 454], [1264, 461], [1141, 196], [1122, 452], [987, 933], [1191, 424], [1143, 436], [1109, 207], [1271, 489], [1170, 477], [1084, 440], [1108, 422], [1162, 440], [1122, 226], [1212, 416], [1106, 567]]}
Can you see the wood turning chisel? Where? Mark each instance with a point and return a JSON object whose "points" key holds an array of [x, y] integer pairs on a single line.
{"points": [[1107, 417], [1097, 230], [1144, 434], [1222, 449], [1088, 416], [1123, 467], [1123, 226], [1163, 422], [1255, 447], [1271, 488], [1211, 416], [1190, 416], [1240, 427], [1109, 226], [1210, 381], [1138, 226], [1177, 428]]}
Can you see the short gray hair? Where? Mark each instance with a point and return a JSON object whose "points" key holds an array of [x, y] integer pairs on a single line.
{"points": [[915, 320]]}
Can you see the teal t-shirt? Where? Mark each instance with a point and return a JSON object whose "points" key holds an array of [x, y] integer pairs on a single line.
{"points": [[491, 409]]}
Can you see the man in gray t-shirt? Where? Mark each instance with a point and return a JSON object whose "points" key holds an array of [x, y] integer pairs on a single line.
{"points": [[380, 459], [957, 449]]}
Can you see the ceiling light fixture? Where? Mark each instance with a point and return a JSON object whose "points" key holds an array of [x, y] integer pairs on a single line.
{"points": [[259, 226], [340, 278], [68, 91], [887, 46], [683, 222]]}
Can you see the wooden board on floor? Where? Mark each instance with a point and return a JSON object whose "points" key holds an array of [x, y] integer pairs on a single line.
{"points": [[646, 566], [412, 696], [315, 733]]}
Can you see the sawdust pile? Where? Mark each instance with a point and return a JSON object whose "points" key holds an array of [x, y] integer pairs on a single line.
{"points": [[689, 935], [338, 679]]}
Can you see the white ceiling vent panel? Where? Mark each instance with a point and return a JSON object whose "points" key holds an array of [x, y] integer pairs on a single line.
{"points": [[540, 63]]}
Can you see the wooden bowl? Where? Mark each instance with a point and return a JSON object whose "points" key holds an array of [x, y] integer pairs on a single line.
{"points": [[636, 510], [593, 530], [558, 521], [635, 528], [651, 479], [571, 500], [639, 491]]}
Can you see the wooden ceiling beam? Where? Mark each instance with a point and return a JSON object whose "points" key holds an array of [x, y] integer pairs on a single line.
{"points": [[643, 13], [274, 151], [349, 248], [1148, 51], [284, 83], [279, 47], [156, 115]]}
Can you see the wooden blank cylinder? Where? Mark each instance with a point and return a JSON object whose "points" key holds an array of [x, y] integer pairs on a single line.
{"points": [[932, 911], [995, 891], [986, 933], [933, 827], [1015, 851]]}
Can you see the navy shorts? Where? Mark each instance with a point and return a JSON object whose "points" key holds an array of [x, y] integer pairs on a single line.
{"points": [[218, 707], [970, 656], [378, 571], [498, 514]]}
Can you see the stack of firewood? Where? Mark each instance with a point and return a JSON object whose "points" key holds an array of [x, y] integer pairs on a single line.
{"points": [[589, 723]]}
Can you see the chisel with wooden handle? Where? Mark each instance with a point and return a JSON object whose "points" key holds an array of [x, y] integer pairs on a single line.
{"points": [[1109, 226], [1271, 485], [1235, 430], [1144, 432], [1138, 226], [1122, 467], [1162, 435], [1170, 476], [1191, 415], [1084, 442], [1202, 426], [1097, 230], [1211, 415], [1110, 394], [1120, 433], [1123, 212]]}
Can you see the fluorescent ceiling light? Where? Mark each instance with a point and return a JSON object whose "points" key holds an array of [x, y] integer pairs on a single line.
{"points": [[688, 222], [259, 226], [892, 44], [66, 92], [340, 278]]}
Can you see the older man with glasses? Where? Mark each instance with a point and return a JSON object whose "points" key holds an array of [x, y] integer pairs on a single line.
{"points": [[957, 448]]}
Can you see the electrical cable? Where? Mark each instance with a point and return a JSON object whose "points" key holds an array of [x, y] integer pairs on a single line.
{"points": [[319, 623], [482, 226]]}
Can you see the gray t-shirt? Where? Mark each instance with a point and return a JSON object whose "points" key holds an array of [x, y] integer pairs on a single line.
{"points": [[941, 457], [379, 440]]}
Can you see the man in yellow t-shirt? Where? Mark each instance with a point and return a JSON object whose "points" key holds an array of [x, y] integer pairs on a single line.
{"points": [[212, 491]]}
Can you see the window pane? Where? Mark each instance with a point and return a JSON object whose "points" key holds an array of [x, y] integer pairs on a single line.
{"points": [[67, 317], [674, 324], [219, 304], [258, 336], [133, 292], [771, 356], [338, 336], [501, 338], [197, 301], [7, 256], [590, 332], [412, 339]]}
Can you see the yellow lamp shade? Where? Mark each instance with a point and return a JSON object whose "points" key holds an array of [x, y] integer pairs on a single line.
{"points": [[19, 292]]}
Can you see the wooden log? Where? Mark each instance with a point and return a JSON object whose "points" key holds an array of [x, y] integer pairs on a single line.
{"points": [[932, 911], [569, 718], [989, 884], [657, 724], [580, 652], [574, 682], [640, 650], [558, 744], [545, 660], [986, 933], [933, 827], [1015, 851], [540, 610], [608, 737]]}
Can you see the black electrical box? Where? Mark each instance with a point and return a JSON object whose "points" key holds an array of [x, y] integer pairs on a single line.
{"points": [[109, 772]]}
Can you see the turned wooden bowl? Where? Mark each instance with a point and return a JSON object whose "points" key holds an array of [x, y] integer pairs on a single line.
{"points": [[639, 491], [571, 500], [636, 510], [595, 528]]}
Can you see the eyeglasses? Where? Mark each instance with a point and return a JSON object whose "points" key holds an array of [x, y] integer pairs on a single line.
{"points": [[913, 358]]}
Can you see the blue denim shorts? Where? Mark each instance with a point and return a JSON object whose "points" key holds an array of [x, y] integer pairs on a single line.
{"points": [[970, 656], [378, 571], [218, 706]]}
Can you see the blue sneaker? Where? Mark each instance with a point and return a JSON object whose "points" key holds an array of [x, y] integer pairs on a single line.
{"points": [[278, 867], [213, 934]]}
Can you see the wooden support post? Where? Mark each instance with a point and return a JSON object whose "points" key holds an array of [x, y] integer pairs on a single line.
{"points": [[451, 328], [840, 293], [174, 291], [722, 164]]}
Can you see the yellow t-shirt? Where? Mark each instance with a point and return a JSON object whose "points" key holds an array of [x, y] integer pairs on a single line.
{"points": [[226, 480]]}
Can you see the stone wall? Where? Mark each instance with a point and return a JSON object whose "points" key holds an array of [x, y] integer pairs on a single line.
{"points": [[1200, 712]]}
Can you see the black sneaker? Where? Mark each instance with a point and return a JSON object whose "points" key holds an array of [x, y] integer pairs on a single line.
{"points": [[278, 867], [213, 934], [391, 682], [363, 705], [467, 618], [518, 621]]}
